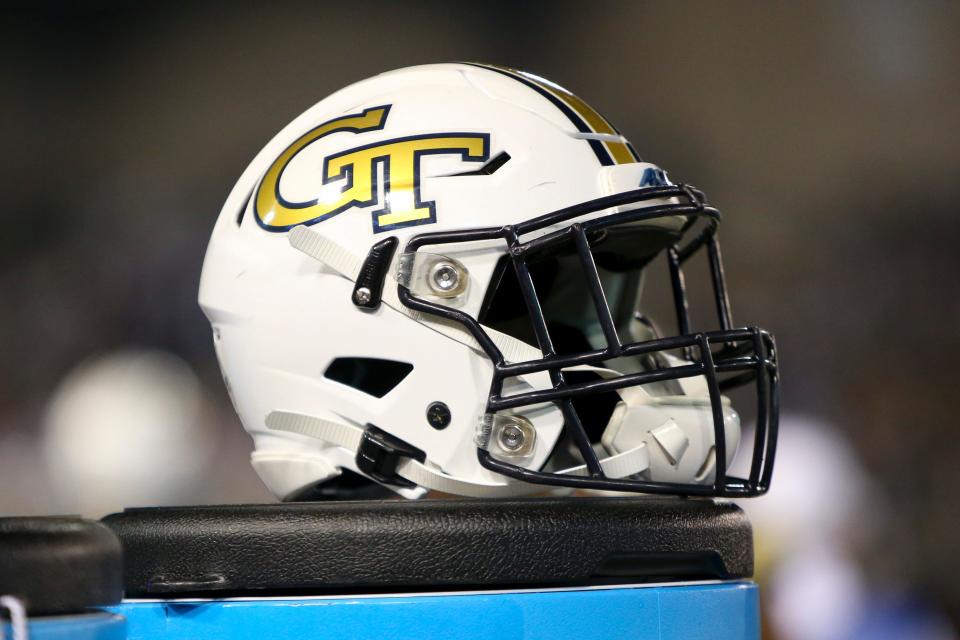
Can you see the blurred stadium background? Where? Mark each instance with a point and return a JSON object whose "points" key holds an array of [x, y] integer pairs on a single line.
{"points": [[828, 133]]}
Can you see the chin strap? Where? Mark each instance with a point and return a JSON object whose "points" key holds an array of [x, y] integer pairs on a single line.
{"points": [[335, 257], [424, 475]]}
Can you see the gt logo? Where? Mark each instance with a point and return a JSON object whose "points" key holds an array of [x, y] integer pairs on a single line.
{"points": [[351, 178]]}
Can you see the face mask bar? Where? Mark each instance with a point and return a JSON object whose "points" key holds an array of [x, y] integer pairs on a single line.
{"points": [[726, 359]]}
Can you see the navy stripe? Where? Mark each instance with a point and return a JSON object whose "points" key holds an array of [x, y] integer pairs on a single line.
{"points": [[602, 155]]}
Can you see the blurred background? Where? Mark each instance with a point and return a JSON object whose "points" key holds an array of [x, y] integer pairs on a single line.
{"points": [[828, 133]]}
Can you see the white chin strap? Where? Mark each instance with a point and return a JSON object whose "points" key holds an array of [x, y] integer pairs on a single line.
{"points": [[423, 475], [335, 257]]}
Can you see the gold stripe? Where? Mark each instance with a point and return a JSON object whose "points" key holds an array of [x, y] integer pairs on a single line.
{"points": [[618, 150], [621, 154], [594, 119]]}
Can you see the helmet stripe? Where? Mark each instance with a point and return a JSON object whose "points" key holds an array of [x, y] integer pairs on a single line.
{"points": [[622, 152], [584, 117], [601, 152]]}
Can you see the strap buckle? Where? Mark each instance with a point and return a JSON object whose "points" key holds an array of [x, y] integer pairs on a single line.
{"points": [[380, 453]]}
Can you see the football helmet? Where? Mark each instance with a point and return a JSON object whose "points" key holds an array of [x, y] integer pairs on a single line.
{"points": [[432, 279]]}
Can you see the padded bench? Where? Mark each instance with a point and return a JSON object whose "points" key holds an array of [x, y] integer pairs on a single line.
{"points": [[393, 546], [59, 565]]}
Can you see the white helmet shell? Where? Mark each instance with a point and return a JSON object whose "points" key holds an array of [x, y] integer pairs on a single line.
{"points": [[435, 148]]}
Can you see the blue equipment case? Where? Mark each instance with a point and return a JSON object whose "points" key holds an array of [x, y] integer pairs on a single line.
{"points": [[719, 611]]}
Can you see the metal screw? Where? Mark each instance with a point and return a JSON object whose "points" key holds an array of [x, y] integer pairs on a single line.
{"points": [[444, 277], [514, 435], [511, 437], [362, 295], [438, 415]]}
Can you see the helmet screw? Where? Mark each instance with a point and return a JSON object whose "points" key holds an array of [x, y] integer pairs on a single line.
{"points": [[444, 277], [511, 437], [514, 435], [438, 415], [362, 295]]}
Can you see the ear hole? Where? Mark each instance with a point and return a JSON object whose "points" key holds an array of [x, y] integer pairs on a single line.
{"points": [[372, 376]]}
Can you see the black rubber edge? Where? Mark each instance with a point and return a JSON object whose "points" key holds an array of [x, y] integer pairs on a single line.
{"points": [[60, 564], [381, 546]]}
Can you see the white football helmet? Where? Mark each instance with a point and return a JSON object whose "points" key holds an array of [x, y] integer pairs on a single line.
{"points": [[431, 279]]}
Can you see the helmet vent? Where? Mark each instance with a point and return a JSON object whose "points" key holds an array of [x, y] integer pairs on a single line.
{"points": [[243, 208], [372, 376], [487, 169]]}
